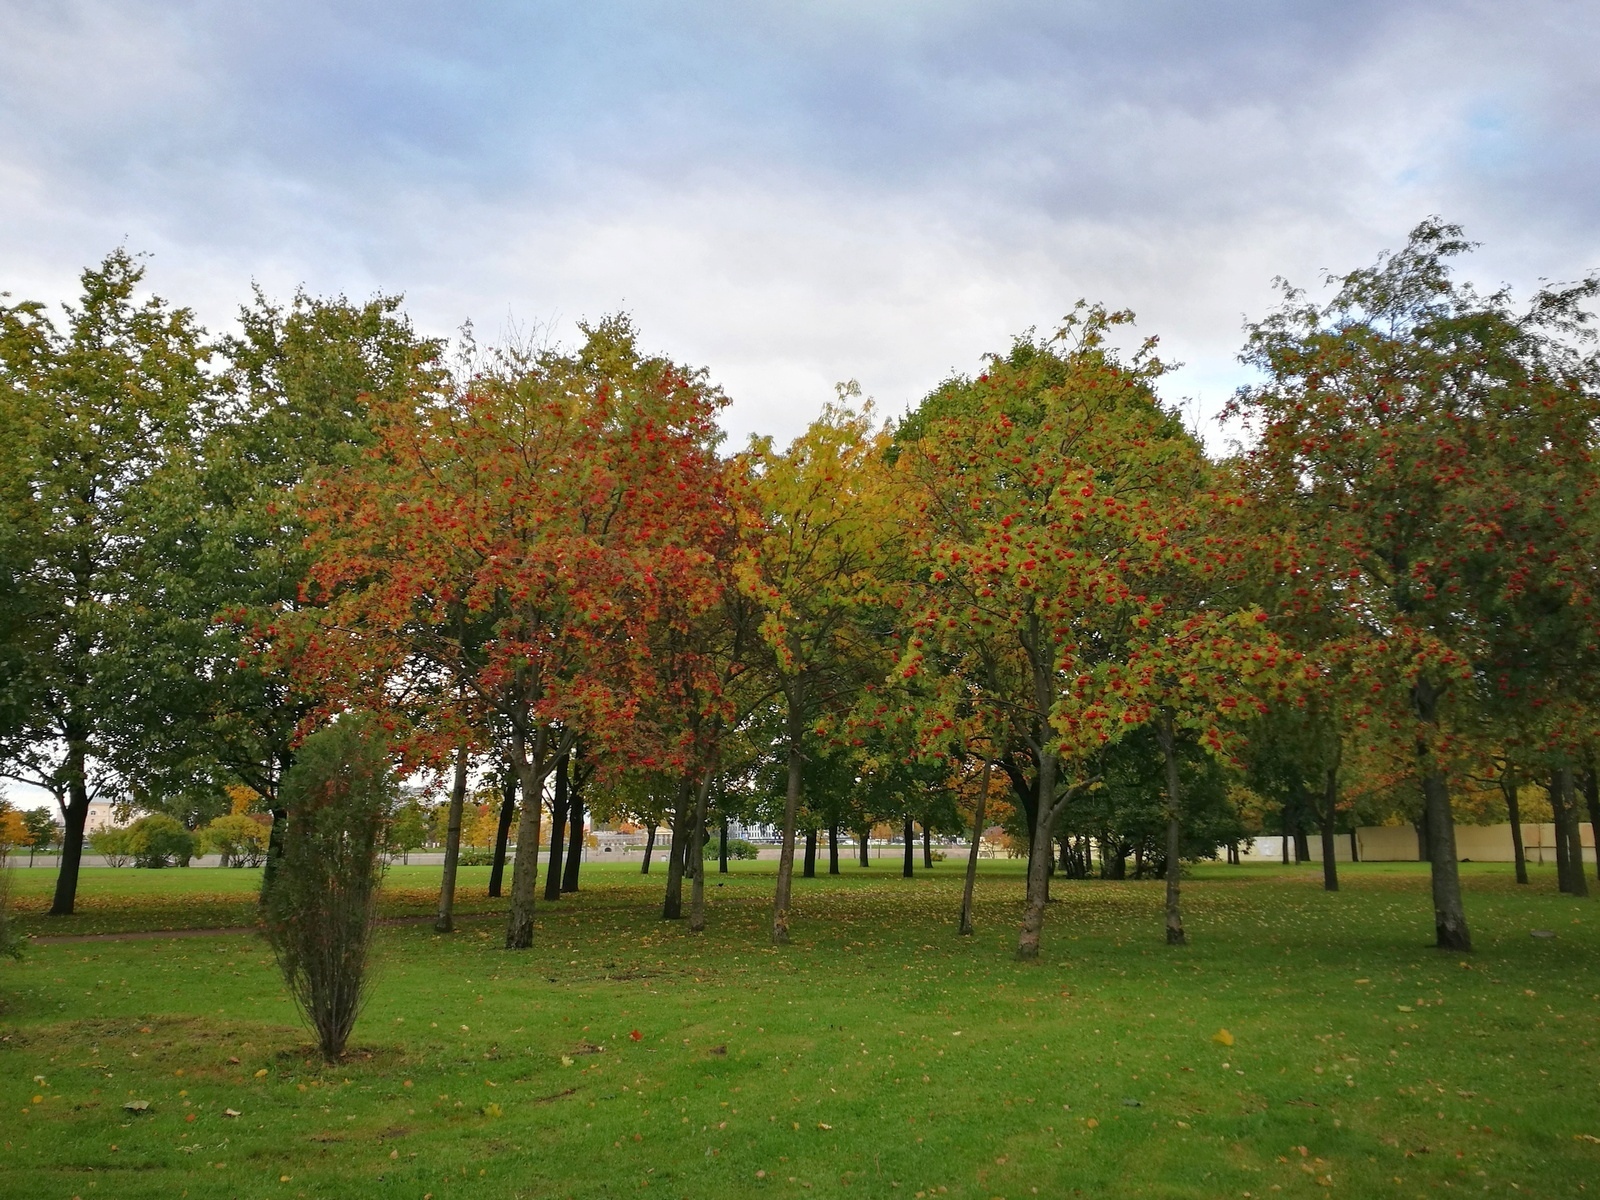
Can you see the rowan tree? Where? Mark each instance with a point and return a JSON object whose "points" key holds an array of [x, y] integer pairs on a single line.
{"points": [[1416, 429], [1044, 498], [553, 499]]}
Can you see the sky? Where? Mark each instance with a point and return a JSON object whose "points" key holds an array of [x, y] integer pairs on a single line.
{"points": [[794, 194]]}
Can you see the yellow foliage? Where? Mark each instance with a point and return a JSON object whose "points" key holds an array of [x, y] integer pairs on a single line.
{"points": [[242, 798]]}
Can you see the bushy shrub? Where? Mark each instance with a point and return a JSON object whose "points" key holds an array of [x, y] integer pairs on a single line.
{"points": [[113, 844], [738, 849], [476, 856], [10, 944], [239, 838], [160, 841], [321, 904]]}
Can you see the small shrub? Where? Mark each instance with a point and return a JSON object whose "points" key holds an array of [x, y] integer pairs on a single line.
{"points": [[738, 849], [112, 844], [322, 901], [240, 838], [476, 856], [160, 841]]}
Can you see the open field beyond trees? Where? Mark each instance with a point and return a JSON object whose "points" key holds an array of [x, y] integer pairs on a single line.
{"points": [[877, 1055]]}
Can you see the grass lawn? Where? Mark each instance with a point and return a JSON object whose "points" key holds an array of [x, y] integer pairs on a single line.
{"points": [[879, 1055]]}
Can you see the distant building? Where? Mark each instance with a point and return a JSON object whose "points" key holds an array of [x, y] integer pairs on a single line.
{"points": [[100, 815]]}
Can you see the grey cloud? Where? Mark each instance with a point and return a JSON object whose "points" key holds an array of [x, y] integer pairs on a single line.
{"points": [[795, 192]]}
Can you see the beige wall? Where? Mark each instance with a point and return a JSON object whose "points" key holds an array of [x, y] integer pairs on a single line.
{"points": [[1478, 843]]}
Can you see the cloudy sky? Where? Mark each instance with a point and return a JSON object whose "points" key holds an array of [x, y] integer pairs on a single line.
{"points": [[801, 192]]}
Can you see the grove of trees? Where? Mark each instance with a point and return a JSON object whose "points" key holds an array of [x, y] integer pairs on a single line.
{"points": [[1035, 599]]}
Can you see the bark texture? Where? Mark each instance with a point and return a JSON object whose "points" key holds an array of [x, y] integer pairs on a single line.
{"points": [[972, 854], [445, 921]]}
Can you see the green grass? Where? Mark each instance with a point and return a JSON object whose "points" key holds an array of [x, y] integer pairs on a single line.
{"points": [[879, 1055]]}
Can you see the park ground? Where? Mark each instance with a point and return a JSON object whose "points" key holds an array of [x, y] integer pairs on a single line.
{"points": [[1304, 1044]]}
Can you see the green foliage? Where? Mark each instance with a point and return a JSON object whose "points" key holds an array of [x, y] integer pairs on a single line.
{"points": [[96, 414], [738, 848], [409, 829], [42, 827], [158, 840], [241, 839], [114, 844], [10, 943], [322, 901]]}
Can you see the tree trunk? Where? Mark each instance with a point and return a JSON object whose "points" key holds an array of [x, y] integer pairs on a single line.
{"points": [[1297, 825], [569, 871], [795, 697], [558, 829], [1509, 789], [502, 833], [1167, 735], [927, 848], [1591, 795], [1330, 807], [965, 928], [1119, 863], [269, 866], [1285, 835], [697, 855], [1038, 894], [1355, 848], [809, 869], [445, 921], [910, 839], [525, 867], [833, 848], [677, 855], [649, 847], [722, 848], [1575, 880], [73, 819], [866, 847], [1449, 916]]}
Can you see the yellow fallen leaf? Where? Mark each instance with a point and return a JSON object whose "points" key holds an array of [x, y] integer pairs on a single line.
{"points": [[1092, 1123], [261, 1072], [1222, 1037], [566, 1060], [1403, 1007], [820, 1125]]}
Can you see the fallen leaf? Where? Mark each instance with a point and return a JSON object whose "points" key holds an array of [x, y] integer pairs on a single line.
{"points": [[261, 1072], [1222, 1037], [820, 1125], [137, 1105], [230, 1112], [1092, 1123]]}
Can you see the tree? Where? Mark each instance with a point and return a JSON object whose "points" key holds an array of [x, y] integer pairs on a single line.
{"points": [[43, 830], [550, 505], [809, 567], [222, 600], [323, 901], [1423, 436], [157, 840], [1043, 499], [93, 415]]}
